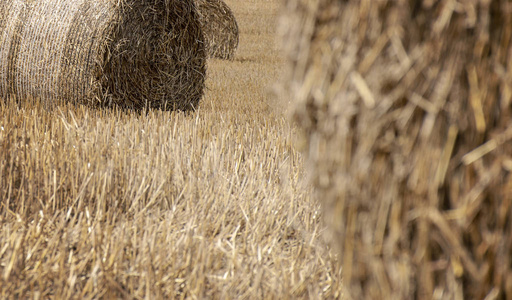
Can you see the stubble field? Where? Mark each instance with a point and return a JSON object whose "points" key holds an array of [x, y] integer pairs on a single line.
{"points": [[160, 205]]}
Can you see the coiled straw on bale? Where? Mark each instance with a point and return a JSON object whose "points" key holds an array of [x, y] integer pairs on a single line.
{"points": [[133, 53], [220, 28], [405, 106]]}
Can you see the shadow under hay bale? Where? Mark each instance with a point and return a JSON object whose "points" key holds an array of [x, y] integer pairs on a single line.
{"points": [[132, 53], [220, 28], [405, 108]]}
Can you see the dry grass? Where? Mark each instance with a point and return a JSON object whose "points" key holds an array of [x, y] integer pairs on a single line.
{"points": [[209, 204]]}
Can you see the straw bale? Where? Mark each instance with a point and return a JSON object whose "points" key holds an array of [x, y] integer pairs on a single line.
{"points": [[405, 108], [220, 28], [133, 53]]}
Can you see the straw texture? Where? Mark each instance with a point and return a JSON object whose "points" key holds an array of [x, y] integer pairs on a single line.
{"points": [[405, 111], [220, 28], [136, 54]]}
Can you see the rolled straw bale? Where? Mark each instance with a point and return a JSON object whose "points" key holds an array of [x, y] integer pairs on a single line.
{"points": [[133, 53], [405, 108], [220, 28]]}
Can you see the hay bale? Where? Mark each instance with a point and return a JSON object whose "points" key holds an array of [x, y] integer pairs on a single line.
{"points": [[133, 53], [405, 109], [220, 28]]}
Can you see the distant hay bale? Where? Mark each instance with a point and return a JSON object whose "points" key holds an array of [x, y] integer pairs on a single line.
{"points": [[133, 53], [220, 28], [406, 111]]}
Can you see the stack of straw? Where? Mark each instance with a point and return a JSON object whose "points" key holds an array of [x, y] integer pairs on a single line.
{"points": [[220, 28], [133, 53], [405, 108]]}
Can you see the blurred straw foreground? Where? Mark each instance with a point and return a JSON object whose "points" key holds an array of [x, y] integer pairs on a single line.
{"points": [[405, 110], [133, 53]]}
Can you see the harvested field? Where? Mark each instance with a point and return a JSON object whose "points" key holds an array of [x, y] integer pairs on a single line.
{"points": [[220, 28], [131, 53], [207, 204], [404, 108]]}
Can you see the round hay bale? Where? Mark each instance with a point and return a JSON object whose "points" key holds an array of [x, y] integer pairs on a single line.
{"points": [[220, 28], [405, 110], [132, 53]]}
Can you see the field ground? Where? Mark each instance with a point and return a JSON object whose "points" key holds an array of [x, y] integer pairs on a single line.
{"points": [[209, 204]]}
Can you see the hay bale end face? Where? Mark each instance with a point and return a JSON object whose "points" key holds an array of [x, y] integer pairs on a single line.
{"points": [[132, 53], [405, 109], [220, 28]]}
